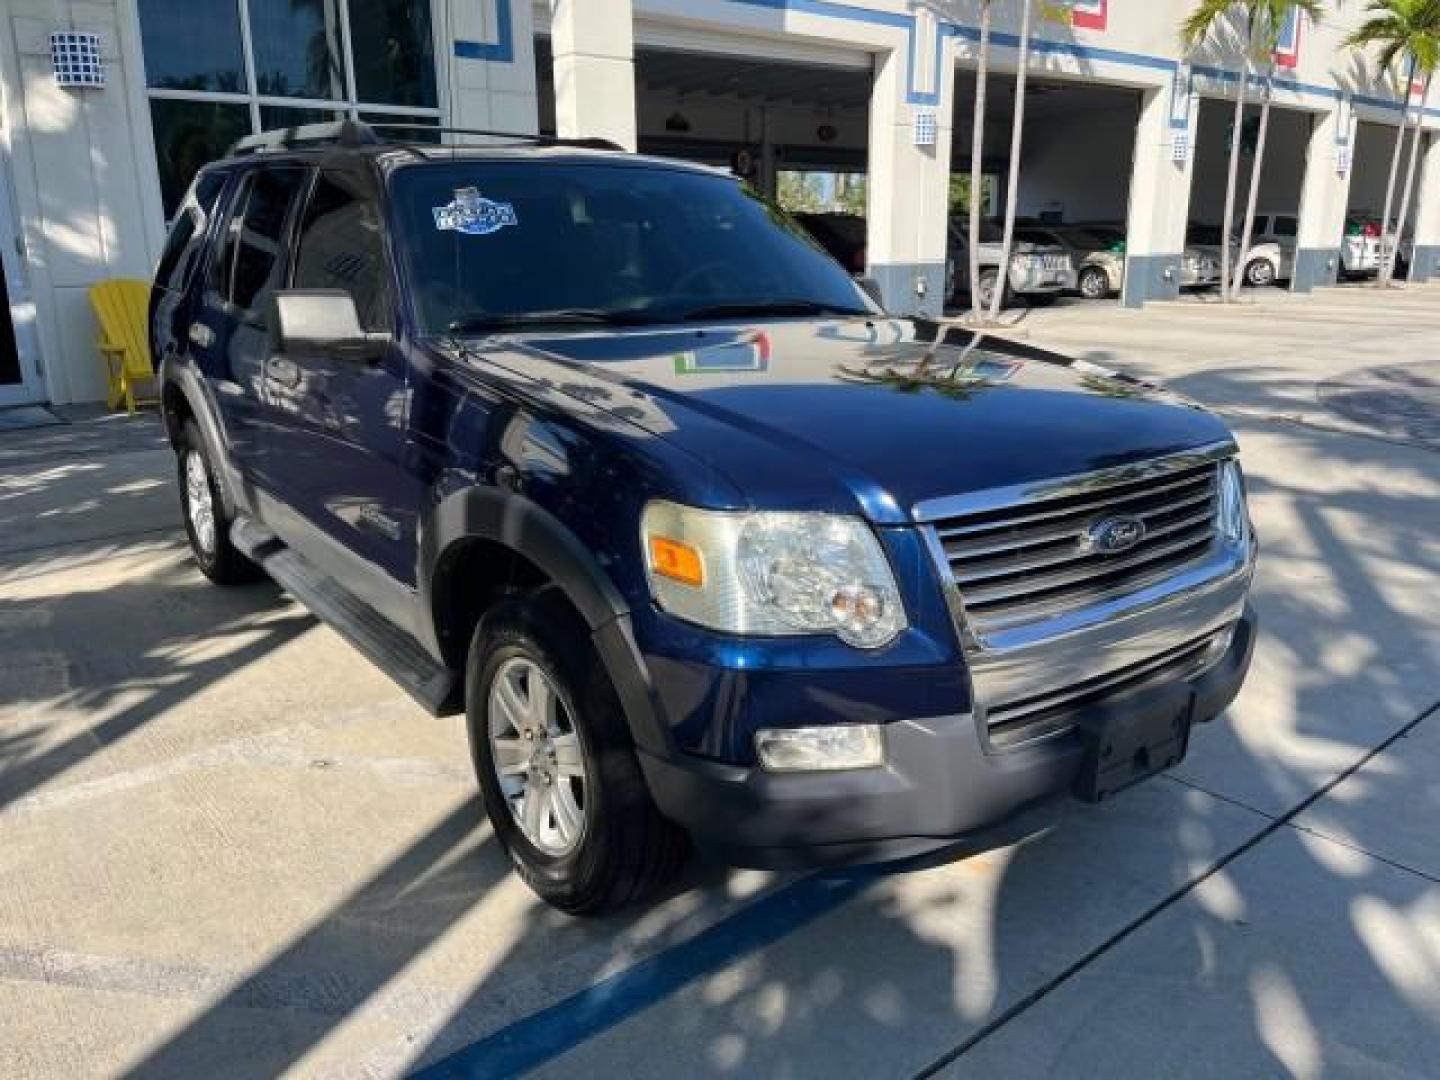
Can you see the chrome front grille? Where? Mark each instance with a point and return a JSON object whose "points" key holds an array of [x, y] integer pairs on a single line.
{"points": [[1029, 561], [1053, 712], [1056, 263]]}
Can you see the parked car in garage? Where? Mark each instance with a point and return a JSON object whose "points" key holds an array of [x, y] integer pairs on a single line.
{"points": [[1098, 249], [1363, 247], [1038, 272], [1267, 263], [700, 553], [1272, 253], [842, 235], [1097, 253]]}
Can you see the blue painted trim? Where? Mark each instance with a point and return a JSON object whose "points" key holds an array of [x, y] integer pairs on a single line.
{"points": [[909, 23], [502, 49], [544, 1036]]}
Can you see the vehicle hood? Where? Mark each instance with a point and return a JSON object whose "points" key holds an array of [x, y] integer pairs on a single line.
{"points": [[881, 415]]}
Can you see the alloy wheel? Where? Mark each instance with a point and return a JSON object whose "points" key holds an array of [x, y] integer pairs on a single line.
{"points": [[539, 760], [199, 504]]}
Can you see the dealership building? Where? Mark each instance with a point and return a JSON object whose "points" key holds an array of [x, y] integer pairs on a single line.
{"points": [[107, 107]]}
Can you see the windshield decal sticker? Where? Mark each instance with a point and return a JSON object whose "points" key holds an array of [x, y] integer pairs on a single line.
{"points": [[474, 215]]}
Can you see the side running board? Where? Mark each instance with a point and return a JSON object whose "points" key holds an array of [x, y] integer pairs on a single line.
{"points": [[384, 644]]}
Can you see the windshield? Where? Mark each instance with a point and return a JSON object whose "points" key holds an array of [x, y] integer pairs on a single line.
{"points": [[1204, 234], [496, 243]]}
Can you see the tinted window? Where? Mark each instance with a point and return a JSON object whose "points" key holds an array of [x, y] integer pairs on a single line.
{"points": [[488, 239], [255, 235], [340, 247], [1286, 226], [193, 45], [297, 48], [189, 135], [182, 247], [394, 52], [1036, 237]]}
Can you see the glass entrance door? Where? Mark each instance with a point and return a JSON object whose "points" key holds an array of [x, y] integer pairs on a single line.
{"points": [[19, 376]]}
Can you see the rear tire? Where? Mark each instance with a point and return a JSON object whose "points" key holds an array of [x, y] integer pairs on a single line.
{"points": [[986, 288], [546, 724], [207, 524]]}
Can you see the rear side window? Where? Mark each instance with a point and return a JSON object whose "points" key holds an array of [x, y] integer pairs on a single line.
{"points": [[246, 268], [1286, 226], [340, 247], [182, 249]]}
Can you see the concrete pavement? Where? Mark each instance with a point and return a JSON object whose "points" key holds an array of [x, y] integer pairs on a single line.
{"points": [[230, 847]]}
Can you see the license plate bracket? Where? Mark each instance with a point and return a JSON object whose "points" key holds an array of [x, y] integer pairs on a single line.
{"points": [[1128, 743]]}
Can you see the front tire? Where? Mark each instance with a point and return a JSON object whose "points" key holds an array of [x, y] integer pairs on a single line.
{"points": [[1094, 283], [1260, 274], [556, 765], [207, 524]]}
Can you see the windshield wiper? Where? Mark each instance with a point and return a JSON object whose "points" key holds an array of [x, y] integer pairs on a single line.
{"points": [[798, 309], [511, 320]]}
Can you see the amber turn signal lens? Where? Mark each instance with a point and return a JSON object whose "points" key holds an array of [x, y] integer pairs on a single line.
{"points": [[677, 561]]}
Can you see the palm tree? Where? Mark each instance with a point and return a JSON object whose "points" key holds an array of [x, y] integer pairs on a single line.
{"points": [[1053, 12], [977, 159], [1408, 29], [1262, 21]]}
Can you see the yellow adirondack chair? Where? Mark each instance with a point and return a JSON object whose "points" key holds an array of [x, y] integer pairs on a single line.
{"points": [[122, 308]]}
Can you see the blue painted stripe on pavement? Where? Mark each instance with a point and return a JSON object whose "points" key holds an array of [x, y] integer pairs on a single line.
{"points": [[529, 1043]]}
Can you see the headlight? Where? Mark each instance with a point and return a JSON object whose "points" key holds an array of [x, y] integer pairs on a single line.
{"points": [[771, 574], [1233, 518]]}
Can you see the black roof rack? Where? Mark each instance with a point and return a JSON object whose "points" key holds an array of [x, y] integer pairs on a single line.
{"points": [[513, 136], [355, 133], [336, 133]]}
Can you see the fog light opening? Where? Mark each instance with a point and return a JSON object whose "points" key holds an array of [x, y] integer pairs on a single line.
{"points": [[821, 749]]}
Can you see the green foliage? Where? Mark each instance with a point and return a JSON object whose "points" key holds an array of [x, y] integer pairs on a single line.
{"points": [[1262, 20], [1401, 28]]}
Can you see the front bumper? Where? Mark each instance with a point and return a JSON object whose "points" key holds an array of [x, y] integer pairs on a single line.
{"points": [[940, 783]]}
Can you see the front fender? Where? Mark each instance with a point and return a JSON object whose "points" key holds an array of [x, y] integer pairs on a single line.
{"points": [[517, 523]]}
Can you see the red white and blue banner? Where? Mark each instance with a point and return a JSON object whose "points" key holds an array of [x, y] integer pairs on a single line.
{"points": [[1090, 14], [1287, 48]]}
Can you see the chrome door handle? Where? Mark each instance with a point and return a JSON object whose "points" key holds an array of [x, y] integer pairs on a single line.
{"points": [[201, 335]]}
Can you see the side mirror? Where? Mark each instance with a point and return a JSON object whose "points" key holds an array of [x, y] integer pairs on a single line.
{"points": [[871, 288], [322, 321]]}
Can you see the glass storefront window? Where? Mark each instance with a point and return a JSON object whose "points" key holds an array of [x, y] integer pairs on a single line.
{"points": [[187, 135], [394, 47], [297, 48], [206, 92], [192, 45], [275, 117]]}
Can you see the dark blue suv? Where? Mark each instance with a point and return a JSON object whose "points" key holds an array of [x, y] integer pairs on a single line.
{"points": [[604, 451]]}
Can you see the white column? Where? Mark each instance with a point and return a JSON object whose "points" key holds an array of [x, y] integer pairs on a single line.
{"points": [[594, 43], [1324, 198], [491, 64], [908, 186], [1160, 194], [1427, 214]]}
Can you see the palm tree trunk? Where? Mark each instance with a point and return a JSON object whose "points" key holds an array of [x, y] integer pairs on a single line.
{"points": [[977, 161], [1257, 170], [1409, 177], [1382, 280], [1232, 181], [1017, 138]]}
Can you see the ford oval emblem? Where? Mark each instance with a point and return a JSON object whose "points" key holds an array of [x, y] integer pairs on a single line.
{"points": [[1113, 535]]}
